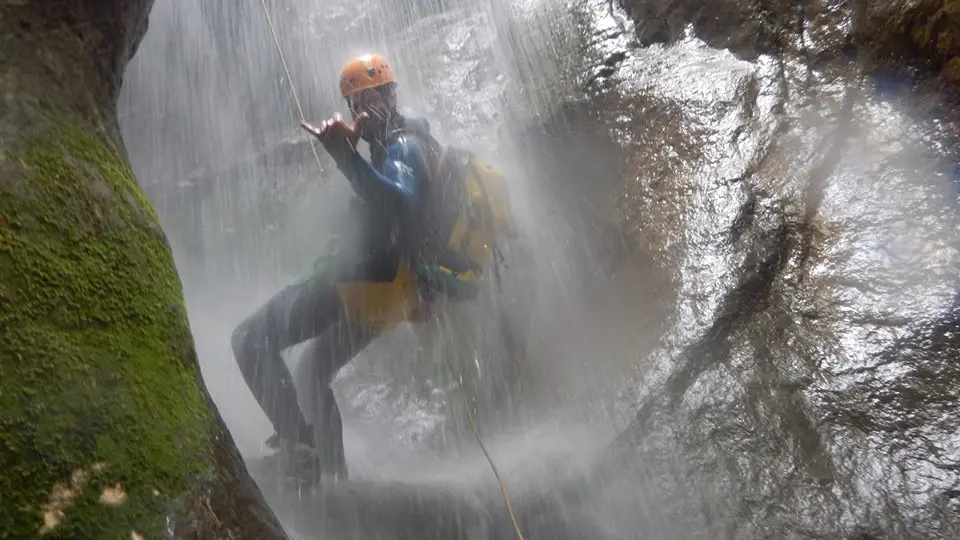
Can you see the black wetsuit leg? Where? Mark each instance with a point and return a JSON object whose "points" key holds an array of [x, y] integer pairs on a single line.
{"points": [[322, 359], [301, 312], [297, 313]]}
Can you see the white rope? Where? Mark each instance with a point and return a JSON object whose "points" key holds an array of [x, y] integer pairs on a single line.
{"points": [[293, 88]]}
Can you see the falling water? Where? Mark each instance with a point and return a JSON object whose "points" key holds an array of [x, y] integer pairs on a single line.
{"points": [[211, 123], [757, 290]]}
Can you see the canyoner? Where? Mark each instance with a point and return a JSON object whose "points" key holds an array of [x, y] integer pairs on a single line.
{"points": [[431, 218]]}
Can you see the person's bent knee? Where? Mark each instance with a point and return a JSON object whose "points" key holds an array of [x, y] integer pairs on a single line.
{"points": [[238, 340], [245, 341]]}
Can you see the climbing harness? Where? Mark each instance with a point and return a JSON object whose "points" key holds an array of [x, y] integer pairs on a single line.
{"points": [[463, 393], [293, 88]]}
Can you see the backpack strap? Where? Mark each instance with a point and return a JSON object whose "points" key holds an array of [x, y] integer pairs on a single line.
{"points": [[439, 160], [498, 258]]}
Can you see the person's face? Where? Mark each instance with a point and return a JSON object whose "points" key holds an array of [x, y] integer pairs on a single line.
{"points": [[378, 104]]}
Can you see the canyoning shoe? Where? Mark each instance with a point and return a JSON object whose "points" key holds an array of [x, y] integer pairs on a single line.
{"points": [[301, 464], [276, 442], [273, 442], [296, 463], [303, 468], [306, 470]]}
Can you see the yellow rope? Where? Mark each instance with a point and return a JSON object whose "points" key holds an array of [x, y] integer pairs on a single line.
{"points": [[293, 89], [496, 473]]}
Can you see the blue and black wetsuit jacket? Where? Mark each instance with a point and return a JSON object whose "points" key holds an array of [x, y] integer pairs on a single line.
{"points": [[395, 189]]}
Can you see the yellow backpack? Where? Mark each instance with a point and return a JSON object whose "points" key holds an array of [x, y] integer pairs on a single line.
{"points": [[471, 200]]}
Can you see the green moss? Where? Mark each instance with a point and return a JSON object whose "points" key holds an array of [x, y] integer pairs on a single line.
{"points": [[97, 364], [923, 34], [952, 70]]}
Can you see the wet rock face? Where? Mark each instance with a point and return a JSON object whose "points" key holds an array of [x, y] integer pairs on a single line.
{"points": [[912, 35], [805, 388], [109, 32]]}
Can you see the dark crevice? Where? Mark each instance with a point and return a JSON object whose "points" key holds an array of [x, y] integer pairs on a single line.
{"points": [[791, 408], [738, 307], [607, 69], [745, 217]]}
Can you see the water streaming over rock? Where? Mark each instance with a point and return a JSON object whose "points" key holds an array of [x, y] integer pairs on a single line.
{"points": [[744, 262]]}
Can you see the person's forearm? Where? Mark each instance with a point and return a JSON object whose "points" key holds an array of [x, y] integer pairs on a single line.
{"points": [[378, 190]]}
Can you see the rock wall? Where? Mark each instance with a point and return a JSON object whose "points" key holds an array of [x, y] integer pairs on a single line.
{"points": [[908, 36], [106, 428], [806, 222]]}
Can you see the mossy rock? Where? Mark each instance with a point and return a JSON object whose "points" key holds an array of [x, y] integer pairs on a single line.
{"points": [[921, 33], [952, 70], [106, 429]]}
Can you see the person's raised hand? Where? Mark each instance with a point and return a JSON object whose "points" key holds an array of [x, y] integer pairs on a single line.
{"points": [[338, 138]]}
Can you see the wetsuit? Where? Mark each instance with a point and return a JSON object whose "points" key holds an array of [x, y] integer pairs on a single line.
{"points": [[359, 294]]}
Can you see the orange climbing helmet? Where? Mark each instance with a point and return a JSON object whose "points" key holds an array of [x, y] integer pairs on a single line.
{"points": [[364, 72]]}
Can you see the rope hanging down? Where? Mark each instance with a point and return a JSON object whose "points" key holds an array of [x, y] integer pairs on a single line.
{"points": [[293, 88], [496, 473], [463, 393]]}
